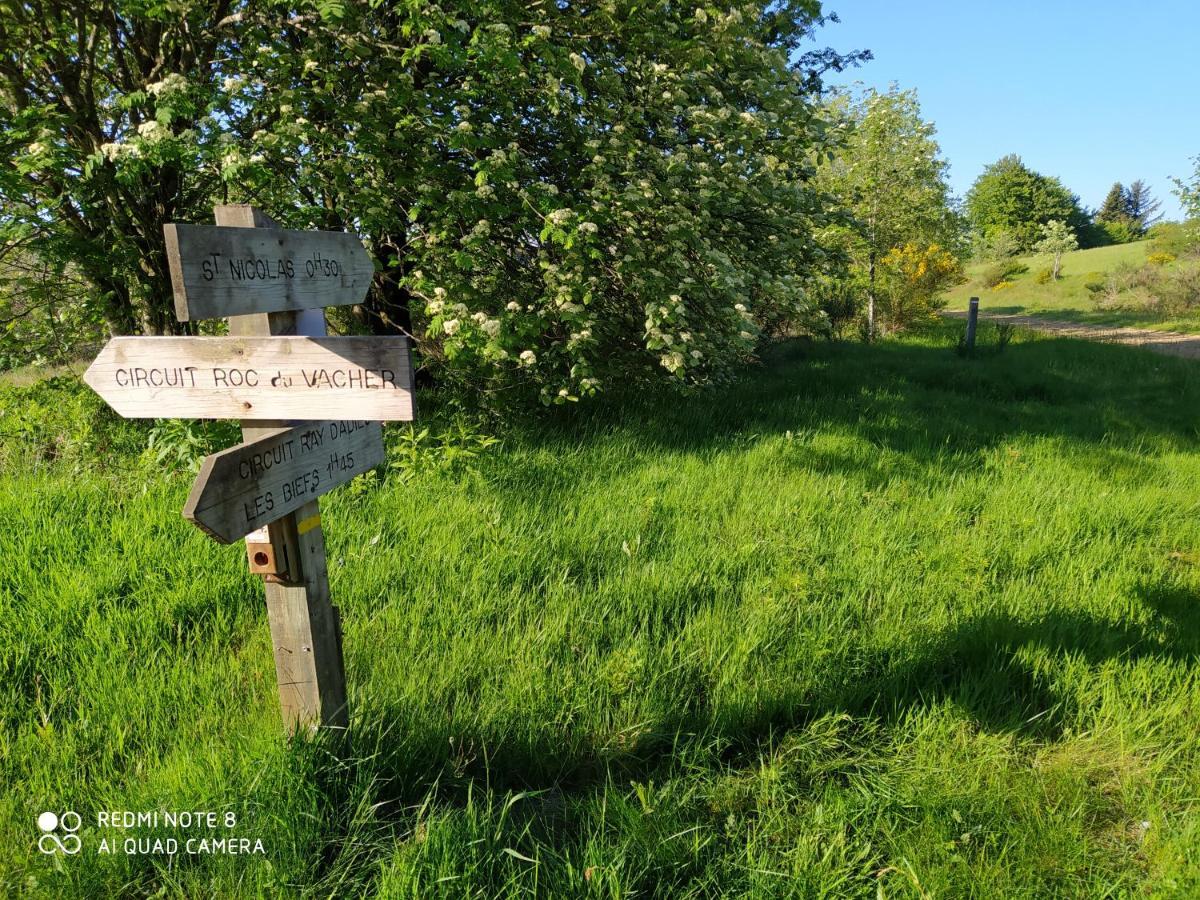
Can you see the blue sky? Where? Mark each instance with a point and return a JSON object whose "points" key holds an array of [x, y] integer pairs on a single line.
{"points": [[1092, 92]]}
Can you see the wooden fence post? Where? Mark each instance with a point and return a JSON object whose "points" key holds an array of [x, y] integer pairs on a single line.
{"points": [[972, 321], [306, 634]]}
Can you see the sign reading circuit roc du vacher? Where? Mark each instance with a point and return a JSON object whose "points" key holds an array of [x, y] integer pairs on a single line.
{"points": [[256, 378]]}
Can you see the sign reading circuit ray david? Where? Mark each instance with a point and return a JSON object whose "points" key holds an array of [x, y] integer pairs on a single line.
{"points": [[217, 272], [246, 487], [256, 378]]}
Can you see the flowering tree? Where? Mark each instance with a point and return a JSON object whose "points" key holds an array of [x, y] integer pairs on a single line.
{"points": [[106, 127], [1188, 191], [555, 200], [555, 197], [1057, 238]]}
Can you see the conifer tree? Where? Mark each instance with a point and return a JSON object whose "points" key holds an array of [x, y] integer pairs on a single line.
{"points": [[1115, 207], [1141, 206]]}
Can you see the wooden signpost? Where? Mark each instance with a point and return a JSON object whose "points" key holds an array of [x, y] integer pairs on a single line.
{"points": [[241, 489], [255, 377], [310, 407], [214, 270]]}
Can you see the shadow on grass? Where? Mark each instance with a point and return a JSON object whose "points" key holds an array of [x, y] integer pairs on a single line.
{"points": [[569, 786], [933, 411], [1118, 317], [983, 665], [920, 398], [922, 402]]}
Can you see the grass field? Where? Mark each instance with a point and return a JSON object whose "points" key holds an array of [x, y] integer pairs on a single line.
{"points": [[872, 622], [1067, 299]]}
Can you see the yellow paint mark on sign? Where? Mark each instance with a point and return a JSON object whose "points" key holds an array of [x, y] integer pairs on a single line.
{"points": [[304, 526]]}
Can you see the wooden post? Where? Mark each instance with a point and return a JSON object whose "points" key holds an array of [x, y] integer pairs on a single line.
{"points": [[306, 634], [972, 321]]}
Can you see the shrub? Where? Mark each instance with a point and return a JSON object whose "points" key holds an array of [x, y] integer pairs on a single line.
{"points": [[914, 277], [1093, 235], [1160, 259], [1044, 276], [1129, 279], [1004, 270], [57, 420], [1002, 286], [1180, 239], [840, 299], [1120, 232], [1178, 291], [182, 444], [996, 244], [453, 450]]}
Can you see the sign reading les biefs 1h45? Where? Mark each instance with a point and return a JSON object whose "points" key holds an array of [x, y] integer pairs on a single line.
{"points": [[246, 487], [218, 272], [254, 378]]}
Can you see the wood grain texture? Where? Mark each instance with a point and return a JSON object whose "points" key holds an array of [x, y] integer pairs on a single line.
{"points": [[220, 271], [245, 487], [305, 626], [255, 378]]}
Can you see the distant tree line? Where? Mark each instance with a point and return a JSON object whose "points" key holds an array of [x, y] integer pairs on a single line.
{"points": [[1010, 205]]}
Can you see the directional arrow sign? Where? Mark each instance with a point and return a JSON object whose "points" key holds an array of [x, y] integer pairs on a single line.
{"points": [[255, 378], [249, 486], [219, 272]]}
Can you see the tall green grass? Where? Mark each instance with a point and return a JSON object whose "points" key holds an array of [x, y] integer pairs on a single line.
{"points": [[873, 621]]}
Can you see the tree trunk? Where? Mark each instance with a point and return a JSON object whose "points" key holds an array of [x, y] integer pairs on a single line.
{"points": [[388, 307], [871, 298], [116, 308]]}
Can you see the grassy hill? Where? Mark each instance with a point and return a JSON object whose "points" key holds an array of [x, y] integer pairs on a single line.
{"points": [[874, 621], [1068, 299]]}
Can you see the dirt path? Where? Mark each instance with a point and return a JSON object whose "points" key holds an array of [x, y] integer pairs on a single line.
{"points": [[1171, 343]]}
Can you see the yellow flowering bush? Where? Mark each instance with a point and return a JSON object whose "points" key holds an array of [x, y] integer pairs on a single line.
{"points": [[915, 277]]}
